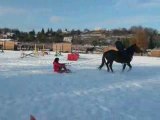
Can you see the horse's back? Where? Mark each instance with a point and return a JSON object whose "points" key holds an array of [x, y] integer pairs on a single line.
{"points": [[110, 54], [113, 55]]}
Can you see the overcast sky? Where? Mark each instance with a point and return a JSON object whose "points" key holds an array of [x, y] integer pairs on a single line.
{"points": [[27, 15]]}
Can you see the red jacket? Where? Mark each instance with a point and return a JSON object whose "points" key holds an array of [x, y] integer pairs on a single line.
{"points": [[57, 66]]}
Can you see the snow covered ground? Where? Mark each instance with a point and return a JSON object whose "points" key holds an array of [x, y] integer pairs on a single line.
{"points": [[29, 86]]}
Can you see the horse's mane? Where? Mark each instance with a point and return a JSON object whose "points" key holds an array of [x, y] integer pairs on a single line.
{"points": [[130, 51], [130, 48]]}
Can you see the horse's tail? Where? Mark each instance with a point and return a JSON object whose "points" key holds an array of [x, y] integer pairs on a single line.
{"points": [[103, 61]]}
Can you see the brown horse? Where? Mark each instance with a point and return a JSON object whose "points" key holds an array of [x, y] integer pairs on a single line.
{"points": [[125, 58]]}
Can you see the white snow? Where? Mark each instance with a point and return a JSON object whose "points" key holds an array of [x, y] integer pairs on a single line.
{"points": [[29, 86]]}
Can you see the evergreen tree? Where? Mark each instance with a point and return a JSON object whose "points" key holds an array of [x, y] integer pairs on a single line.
{"points": [[151, 44], [42, 31], [31, 36]]}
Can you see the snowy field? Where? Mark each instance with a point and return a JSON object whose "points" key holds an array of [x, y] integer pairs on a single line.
{"points": [[29, 86]]}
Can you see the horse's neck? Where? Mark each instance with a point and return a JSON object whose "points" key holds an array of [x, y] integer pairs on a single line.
{"points": [[130, 51]]}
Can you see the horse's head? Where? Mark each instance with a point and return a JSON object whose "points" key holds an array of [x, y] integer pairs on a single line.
{"points": [[137, 49], [133, 48]]}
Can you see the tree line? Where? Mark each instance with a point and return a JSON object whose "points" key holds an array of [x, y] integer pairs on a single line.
{"points": [[148, 36], [42, 36]]}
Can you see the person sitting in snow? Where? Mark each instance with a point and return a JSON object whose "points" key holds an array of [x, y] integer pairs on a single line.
{"points": [[59, 67]]}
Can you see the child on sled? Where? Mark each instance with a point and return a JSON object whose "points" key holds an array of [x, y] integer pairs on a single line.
{"points": [[59, 67]]}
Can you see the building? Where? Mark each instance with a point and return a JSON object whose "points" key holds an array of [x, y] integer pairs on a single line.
{"points": [[62, 47], [67, 39], [93, 34], [155, 53], [7, 44]]}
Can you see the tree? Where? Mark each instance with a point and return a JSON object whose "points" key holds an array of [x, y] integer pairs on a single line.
{"points": [[42, 31], [94, 43], [31, 36], [126, 42], [59, 31], [23, 37], [151, 43], [141, 39], [41, 37], [86, 30]]}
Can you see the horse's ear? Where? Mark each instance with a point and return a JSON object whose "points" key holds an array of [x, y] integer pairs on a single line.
{"points": [[135, 44]]}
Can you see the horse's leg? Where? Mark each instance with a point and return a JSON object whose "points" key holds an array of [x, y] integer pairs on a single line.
{"points": [[130, 66], [102, 64], [124, 66], [110, 65], [107, 64]]}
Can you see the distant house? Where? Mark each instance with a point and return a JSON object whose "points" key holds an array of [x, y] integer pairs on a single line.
{"points": [[6, 35], [62, 47], [122, 37], [91, 34], [7, 44], [67, 39], [9, 34], [155, 53], [1, 36]]}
